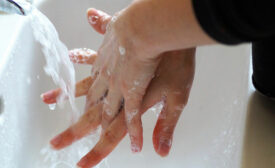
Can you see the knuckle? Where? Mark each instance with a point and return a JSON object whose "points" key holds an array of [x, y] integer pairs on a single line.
{"points": [[94, 154], [124, 85], [105, 72], [167, 131], [133, 118], [112, 81], [107, 116], [133, 95], [108, 109]]}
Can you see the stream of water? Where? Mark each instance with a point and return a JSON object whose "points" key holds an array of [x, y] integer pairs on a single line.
{"points": [[58, 66]]}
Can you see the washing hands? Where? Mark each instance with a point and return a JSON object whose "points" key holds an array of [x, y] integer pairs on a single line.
{"points": [[128, 78]]}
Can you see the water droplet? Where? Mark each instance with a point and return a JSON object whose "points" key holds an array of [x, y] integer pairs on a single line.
{"points": [[2, 121], [2, 103], [136, 83], [58, 66], [114, 19], [108, 73], [52, 106], [29, 80]]}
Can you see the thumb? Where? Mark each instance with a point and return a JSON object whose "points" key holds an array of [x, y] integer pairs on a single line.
{"points": [[98, 20]]}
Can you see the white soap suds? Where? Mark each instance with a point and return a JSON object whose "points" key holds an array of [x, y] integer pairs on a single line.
{"points": [[114, 19], [164, 140], [179, 108], [131, 115], [136, 83], [108, 73], [122, 50], [135, 148], [93, 19], [156, 109]]}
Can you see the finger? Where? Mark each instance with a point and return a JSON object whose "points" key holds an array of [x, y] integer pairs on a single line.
{"points": [[81, 89], [108, 141], [82, 56], [112, 104], [114, 134], [134, 88], [86, 124], [51, 96], [98, 20], [96, 92], [134, 125], [166, 123]]}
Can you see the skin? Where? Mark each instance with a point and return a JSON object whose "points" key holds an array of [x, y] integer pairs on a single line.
{"points": [[171, 85], [134, 42]]}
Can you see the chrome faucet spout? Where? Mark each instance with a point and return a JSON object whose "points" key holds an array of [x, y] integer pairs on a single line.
{"points": [[12, 7]]}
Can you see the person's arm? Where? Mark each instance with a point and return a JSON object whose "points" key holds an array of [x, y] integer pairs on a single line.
{"points": [[236, 21], [163, 25], [264, 67], [174, 24]]}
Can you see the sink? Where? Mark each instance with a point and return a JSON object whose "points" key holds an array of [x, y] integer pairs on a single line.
{"points": [[225, 125]]}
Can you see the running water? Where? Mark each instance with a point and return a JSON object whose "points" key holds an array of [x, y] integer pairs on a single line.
{"points": [[58, 66]]}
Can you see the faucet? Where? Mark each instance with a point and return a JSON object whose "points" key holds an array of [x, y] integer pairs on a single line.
{"points": [[14, 6]]}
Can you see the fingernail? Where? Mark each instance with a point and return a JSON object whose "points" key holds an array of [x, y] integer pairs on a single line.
{"points": [[164, 146], [56, 141], [134, 146], [47, 96], [82, 162], [44, 97]]}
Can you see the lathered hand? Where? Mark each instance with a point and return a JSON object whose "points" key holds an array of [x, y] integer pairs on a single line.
{"points": [[171, 85]]}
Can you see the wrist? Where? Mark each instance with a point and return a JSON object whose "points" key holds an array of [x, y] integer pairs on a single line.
{"points": [[134, 22], [161, 25]]}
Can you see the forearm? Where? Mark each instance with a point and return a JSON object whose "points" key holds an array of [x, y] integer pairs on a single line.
{"points": [[164, 24]]}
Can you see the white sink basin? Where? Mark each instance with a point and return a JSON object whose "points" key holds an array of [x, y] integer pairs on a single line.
{"points": [[225, 125]]}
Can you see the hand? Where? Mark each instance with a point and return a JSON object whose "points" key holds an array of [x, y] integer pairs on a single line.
{"points": [[171, 85], [130, 54], [166, 87], [123, 71]]}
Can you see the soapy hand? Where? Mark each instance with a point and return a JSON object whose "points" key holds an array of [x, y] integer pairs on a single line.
{"points": [[123, 70], [131, 52], [171, 86]]}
